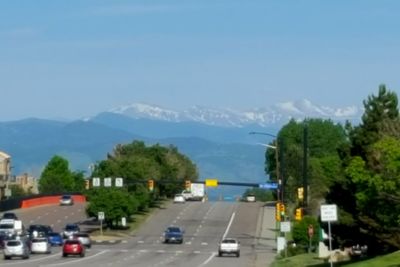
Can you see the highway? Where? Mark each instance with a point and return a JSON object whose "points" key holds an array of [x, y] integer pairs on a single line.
{"points": [[204, 224]]}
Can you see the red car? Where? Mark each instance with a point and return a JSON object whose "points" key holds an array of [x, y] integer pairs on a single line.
{"points": [[73, 247]]}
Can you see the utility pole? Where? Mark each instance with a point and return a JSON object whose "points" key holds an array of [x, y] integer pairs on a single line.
{"points": [[305, 165]]}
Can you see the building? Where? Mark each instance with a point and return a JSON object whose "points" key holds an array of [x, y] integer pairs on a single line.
{"points": [[5, 173]]}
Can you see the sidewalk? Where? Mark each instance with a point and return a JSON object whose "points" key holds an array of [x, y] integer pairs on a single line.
{"points": [[265, 244]]}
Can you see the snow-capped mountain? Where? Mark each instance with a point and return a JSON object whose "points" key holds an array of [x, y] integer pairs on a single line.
{"points": [[279, 113]]}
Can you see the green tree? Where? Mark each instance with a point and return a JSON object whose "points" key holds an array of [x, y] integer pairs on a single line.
{"points": [[137, 163], [325, 138], [116, 203], [368, 195], [17, 191], [56, 177]]}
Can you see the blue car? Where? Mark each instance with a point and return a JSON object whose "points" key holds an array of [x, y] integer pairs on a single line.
{"points": [[173, 234], [55, 239]]}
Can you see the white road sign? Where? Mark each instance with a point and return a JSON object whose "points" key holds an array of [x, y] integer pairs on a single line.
{"points": [[108, 181], [119, 182], [329, 213], [101, 215], [96, 181]]}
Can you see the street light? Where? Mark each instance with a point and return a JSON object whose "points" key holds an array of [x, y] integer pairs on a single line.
{"points": [[277, 148]]}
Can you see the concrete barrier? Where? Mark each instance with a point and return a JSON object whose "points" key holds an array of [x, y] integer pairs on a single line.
{"points": [[29, 203]]}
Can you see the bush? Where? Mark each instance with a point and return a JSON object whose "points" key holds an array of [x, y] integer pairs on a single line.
{"points": [[300, 231]]}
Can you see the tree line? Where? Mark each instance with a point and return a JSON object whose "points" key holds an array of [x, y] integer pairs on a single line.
{"points": [[135, 163], [356, 167]]}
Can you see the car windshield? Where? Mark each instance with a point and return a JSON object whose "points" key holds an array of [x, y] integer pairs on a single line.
{"points": [[173, 230], [13, 243], [229, 241], [66, 197], [71, 227], [6, 226], [72, 242], [54, 235]]}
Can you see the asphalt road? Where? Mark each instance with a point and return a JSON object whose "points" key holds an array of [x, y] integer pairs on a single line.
{"points": [[204, 224]]}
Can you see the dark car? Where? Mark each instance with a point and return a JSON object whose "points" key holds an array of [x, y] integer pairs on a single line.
{"points": [[39, 230], [173, 234], [55, 239], [73, 247], [70, 229], [9, 215]]}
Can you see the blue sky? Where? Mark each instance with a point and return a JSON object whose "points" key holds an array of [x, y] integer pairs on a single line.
{"points": [[75, 58]]}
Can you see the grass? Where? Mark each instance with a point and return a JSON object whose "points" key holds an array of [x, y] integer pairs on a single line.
{"points": [[133, 224], [311, 260]]}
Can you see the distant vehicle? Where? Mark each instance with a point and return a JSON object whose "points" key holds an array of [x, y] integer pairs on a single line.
{"points": [[70, 229], [40, 245], [173, 234], [229, 246], [186, 194], [73, 247], [84, 238], [55, 239], [66, 200], [11, 227], [3, 239], [251, 198], [16, 248], [197, 192], [179, 198], [39, 230], [9, 215]]}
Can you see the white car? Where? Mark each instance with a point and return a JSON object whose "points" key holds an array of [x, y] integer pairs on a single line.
{"points": [[66, 200], [179, 199], [40, 245], [16, 248], [229, 246]]}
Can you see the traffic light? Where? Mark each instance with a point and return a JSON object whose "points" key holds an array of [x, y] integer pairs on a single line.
{"points": [[299, 214], [87, 184], [282, 209], [278, 211], [300, 193], [188, 185], [150, 184]]}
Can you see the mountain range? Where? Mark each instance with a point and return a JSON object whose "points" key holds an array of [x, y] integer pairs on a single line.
{"points": [[216, 140], [277, 114]]}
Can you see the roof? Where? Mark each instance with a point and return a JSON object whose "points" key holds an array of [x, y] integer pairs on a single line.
{"points": [[3, 155]]}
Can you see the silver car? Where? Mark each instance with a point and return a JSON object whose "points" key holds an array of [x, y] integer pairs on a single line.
{"points": [[40, 245], [16, 248], [66, 200], [84, 238]]}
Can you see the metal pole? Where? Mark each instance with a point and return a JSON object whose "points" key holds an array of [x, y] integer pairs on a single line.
{"points": [[305, 165], [101, 227], [330, 243]]}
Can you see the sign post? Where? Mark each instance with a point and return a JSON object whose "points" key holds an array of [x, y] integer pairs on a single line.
{"points": [[101, 217], [329, 214], [310, 232]]}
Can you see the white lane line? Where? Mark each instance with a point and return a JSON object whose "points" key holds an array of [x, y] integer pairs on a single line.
{"points": [[140, 242], [229, 226], [209, 259], [188, 243], [204, 244], [74, 261]]}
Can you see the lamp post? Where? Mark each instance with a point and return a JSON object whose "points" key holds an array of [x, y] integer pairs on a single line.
{"points": [[277, 149]]}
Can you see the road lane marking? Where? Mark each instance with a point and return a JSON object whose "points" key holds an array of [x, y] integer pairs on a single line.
{"points": [[204, 243], [209, 259], [74, 261], [229, 225], [38, 259]]}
